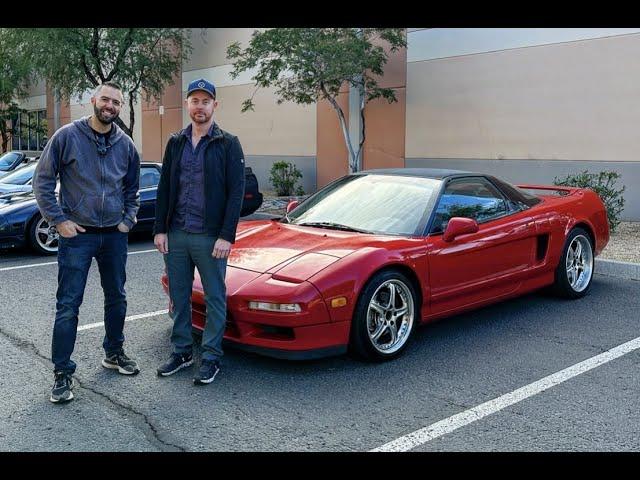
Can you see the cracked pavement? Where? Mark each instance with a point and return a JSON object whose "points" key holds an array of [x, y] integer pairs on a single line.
{"points": [[334, 404]]}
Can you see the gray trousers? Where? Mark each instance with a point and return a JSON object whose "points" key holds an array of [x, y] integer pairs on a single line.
{"points": [[186, 251]]}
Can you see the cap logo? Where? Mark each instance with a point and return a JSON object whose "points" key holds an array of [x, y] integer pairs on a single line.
{"points": [[201, 84]]}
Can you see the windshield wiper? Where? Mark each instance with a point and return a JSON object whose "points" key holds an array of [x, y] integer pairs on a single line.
{"points": [[334, 226]]}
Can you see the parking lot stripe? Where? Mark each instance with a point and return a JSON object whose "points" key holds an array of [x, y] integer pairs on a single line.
{"points": [[127, 319], [448, 425], [5, 269]]}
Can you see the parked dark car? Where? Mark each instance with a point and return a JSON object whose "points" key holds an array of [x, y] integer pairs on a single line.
{"points": [[19, 180], [12, 160], [21, 222]]}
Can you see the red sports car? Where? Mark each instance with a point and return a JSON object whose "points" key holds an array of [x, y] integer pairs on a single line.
{"points": [[360, 263]]}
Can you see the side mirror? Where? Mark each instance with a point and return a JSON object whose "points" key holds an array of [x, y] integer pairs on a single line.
{"points": [[292, 204], [459, 226]]}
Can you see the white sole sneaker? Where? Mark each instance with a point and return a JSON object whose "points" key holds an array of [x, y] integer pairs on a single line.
{"points": [[198, 381], [183, 365], [121, 370]]}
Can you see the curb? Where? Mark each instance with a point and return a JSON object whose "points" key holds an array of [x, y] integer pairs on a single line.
{"points": [[614, 268]]}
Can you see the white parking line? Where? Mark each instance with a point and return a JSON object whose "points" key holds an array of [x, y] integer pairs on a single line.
{"points": [[448, 425], [5, 269], [127, 319]]}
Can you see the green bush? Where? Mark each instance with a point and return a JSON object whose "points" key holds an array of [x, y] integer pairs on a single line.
{"points": [[603, 184], [284, 177]]}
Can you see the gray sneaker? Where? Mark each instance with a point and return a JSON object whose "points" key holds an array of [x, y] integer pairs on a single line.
{"points": [[122, 363], [62, 386]]}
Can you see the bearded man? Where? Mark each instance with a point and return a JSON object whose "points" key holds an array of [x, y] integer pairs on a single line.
{"points": [[98, 168]]}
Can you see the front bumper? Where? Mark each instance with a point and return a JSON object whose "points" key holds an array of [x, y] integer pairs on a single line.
{"points": [[306, 335]]}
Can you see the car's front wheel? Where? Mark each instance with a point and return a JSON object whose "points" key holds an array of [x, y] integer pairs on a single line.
{"points": [[575, 269], [43, 237], [384, 317]]}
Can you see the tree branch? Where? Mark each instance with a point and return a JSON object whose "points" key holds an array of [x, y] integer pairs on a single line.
{"points": [[126, 44], [95, 53]]}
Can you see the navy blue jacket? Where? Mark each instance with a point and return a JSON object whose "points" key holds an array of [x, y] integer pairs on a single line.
{"points": [[95, 190], [223, 184]]}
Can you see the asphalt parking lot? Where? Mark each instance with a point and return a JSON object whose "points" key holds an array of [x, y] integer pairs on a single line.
{"points": [[335, 404]]}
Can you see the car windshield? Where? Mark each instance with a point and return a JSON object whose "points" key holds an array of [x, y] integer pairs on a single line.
{"points": [[371, 203], [20, 176], [7, 160]]}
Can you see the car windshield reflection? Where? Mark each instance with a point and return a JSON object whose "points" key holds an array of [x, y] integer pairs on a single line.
{"points": [[7, 160], [370, 203]]}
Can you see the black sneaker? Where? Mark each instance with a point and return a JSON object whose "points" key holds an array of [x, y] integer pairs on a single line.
{"points": [[176, 362], [122, 363], [208, 371], [62, 386]]}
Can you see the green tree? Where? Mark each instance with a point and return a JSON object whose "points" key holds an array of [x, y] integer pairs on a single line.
{"points": [[75, 60], [15, 78], [305, 65]]}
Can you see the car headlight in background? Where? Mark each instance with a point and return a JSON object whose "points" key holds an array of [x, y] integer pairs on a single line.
{"points": [[4, 224], [275, 307]]}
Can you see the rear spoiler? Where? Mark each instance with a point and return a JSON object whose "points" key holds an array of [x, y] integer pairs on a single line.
{"points": [[567, 190]]}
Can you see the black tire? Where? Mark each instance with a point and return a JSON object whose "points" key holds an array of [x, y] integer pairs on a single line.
{"points": [[366, 318], [564, 285], [38, 244]]}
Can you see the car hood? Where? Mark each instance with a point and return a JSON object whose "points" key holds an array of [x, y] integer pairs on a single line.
{"points": [[10, 188], [266, 246], [9, 202]]}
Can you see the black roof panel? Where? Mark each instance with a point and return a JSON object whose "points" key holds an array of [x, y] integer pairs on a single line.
{"points": [[438, 173]]}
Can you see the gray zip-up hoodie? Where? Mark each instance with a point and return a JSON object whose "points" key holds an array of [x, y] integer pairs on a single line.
{"points": [[95, 190]]}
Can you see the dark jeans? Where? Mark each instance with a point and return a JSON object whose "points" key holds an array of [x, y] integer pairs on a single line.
{"points": [[74, 259], [186, 251]]}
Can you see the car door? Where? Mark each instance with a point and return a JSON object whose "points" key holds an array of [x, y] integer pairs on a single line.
{"points": [[149, 179], [484, 265]]}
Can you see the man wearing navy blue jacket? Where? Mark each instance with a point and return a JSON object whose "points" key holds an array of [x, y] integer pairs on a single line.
{"points": [[197, 212], [98, 168]]}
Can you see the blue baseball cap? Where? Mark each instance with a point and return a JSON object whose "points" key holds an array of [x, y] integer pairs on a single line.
{"points": [[201, 84]]}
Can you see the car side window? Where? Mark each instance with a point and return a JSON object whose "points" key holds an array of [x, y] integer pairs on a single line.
{"points": [[473, 198], [149, 177]]}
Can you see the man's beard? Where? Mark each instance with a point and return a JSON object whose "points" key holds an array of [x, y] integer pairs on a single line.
{"points": [[101, 118], [201, 120]]}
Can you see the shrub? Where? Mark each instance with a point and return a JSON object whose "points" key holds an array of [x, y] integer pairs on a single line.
{"points": [[284, 177], [603, 184]]}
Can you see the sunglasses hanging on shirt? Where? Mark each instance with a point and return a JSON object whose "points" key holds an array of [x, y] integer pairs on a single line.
{"points": [[102, 144]]}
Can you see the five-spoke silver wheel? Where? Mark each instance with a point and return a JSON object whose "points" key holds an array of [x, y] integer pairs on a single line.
{"points": [[579, 263], [574, 271], [385, 316], [390, 316], [44, 237]]}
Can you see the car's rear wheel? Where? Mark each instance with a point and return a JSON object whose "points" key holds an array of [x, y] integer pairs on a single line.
{"points": [[384, 317], [43, 237], [575, 270]]}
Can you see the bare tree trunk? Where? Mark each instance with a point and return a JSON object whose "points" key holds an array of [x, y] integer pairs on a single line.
{"points": [[125, 129], [353, 159], [5, 141], [132, 115]]}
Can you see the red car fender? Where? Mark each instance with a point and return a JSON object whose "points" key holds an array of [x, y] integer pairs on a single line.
{"points": [[348, 276]]}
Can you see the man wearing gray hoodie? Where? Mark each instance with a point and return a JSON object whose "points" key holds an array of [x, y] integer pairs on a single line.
{"points": [[98, 168]]}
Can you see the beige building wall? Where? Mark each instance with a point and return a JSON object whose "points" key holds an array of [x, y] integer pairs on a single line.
{"points": [[210, 46], [577, 100]]}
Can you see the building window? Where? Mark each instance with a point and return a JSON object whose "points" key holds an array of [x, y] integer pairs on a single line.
{"points": [[29, 130]]}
